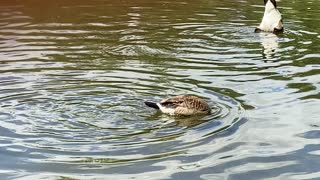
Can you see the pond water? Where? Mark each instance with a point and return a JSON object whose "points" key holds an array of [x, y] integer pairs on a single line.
{"points": [[74, 75]]}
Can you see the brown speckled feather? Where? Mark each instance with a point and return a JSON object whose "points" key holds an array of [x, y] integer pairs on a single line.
{"points": [[186, 105]]}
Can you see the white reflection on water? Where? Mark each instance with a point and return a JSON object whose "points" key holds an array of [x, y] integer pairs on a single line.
{"points": [[270, 43]]}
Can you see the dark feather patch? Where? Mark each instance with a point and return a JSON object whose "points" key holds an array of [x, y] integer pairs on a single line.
{"points": [[274, 3], [151, 104], [277, 31], [171, 104], [257, 30]]}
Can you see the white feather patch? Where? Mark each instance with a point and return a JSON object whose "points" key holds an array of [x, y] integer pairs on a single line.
{"points": [[166, 110], [271, 18]]}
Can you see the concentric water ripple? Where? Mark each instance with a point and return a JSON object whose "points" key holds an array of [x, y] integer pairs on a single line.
{"points": [[79, 121], [74, 75]]}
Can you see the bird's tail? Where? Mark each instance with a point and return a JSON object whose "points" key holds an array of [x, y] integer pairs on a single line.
{"points": [[151, 104]]}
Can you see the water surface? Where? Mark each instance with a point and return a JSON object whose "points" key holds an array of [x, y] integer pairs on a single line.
{"points": [[74, 75]]}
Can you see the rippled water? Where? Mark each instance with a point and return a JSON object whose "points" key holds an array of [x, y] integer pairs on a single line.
{"points": [[74, 75]]}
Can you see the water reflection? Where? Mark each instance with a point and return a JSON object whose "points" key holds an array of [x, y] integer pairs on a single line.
{"points": [[270, 43]]}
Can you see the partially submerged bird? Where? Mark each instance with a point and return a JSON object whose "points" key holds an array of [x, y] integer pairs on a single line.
{"points": [[272, 20], [182, 105]]}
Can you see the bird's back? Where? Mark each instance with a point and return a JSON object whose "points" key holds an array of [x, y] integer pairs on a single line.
{"points": [[185, 105]]}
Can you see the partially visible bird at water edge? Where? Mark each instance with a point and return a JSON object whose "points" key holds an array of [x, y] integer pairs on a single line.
{"points": [[272, 19]]}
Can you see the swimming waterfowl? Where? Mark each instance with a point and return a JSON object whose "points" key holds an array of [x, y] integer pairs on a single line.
{"points": [[182, 105], [272, 20]]}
